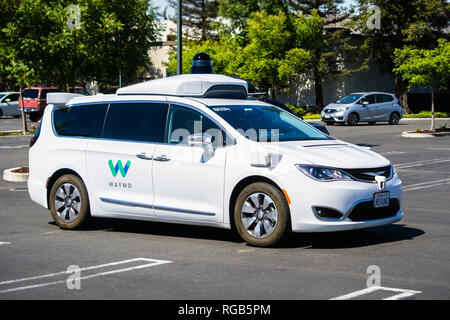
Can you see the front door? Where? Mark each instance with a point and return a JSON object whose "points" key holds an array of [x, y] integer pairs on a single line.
{"points": [[189, 181]]}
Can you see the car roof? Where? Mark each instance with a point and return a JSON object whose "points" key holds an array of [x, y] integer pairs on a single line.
{"points": [[371, 92], [9, 92]]}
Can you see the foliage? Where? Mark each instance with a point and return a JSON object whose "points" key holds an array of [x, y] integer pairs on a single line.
{"points": [[38, 45], [199, 16], [427, 114], [425, 67]]}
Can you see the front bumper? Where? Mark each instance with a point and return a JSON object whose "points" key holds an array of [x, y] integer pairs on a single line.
{"points": [[334, 117], [343, 196]]}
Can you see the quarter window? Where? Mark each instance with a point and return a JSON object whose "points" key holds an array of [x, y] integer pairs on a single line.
{"points": [[81, 121], [136, 122]]}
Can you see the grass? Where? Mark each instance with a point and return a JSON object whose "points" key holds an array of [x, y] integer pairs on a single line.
{"points": [[427, 114]]}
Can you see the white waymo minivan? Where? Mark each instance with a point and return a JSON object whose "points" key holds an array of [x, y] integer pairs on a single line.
{"points": [[194, 149]]}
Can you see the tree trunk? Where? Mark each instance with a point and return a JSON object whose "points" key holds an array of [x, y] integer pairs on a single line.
{"points": [[401, 92], [432, 110], [22, 110], [318, 88]]}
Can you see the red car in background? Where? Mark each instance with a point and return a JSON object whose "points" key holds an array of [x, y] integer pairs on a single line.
{"points": [[35, 99]]}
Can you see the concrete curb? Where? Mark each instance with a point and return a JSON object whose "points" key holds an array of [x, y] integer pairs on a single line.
{"points": [[8, 175], [412, 134]]}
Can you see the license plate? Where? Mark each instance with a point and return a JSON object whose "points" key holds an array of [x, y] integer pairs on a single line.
{"points": [[381, 199]]}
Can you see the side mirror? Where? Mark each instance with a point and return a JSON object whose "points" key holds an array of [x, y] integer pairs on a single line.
{"points": [[203, 140], [365, 103], [8, 100]]}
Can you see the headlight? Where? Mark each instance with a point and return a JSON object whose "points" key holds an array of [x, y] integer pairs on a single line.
{"points": [[323, 173]]}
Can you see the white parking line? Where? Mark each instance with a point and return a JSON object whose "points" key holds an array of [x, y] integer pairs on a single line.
{"points": [[151, 263], [403, 293], [419, 163], [1, 242], [14, 147], [428, 184]]}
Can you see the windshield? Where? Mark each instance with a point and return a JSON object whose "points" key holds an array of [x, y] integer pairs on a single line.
{"points": [[267, 123], [349, 99]]}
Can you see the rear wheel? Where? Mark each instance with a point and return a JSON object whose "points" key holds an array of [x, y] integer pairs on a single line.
{"points": [[69, 202], [261, 215], [353, 119], [394, 119]]}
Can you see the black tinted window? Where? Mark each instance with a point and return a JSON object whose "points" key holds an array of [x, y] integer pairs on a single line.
{"points": [[184, 122], [136, 121], [83, 121], [45, 91], [384, 98], [370, 99], [13, 97], [30, 93]]}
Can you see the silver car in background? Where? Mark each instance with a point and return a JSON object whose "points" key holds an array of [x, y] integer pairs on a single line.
{"points": [[9, 104], [368, 107]]}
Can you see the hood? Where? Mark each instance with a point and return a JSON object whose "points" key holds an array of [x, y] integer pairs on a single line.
{"points": [[337, 106], [330, 153]]}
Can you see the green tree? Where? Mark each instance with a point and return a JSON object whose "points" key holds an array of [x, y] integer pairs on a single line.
{"points": [[224, 53], [199, 16], [112, 37], [269, 59], [403, 22], [425, 67]]}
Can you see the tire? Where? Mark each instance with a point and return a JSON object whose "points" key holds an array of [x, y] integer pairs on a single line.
{"points": [[329, 123], [1, 113], [261, 215], [69, 202], [353, 119], [35, 116], [394, 119]]}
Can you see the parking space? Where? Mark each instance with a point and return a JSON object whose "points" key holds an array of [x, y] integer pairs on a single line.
{"points": [[120, 259]]}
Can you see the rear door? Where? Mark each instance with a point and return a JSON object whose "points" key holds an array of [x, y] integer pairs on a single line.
{"points": [[385, 102], [119, 164]]}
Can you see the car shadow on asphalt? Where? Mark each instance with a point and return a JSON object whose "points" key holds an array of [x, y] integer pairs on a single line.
{"points": [[323, 240], [354, 239]]}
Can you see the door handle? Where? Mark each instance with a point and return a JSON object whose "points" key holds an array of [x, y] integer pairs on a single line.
{"points": [[143, 156], [162, 158]]}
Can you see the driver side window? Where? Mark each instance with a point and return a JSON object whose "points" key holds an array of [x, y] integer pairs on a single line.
{"points": [[370, 99], [183, 122]]}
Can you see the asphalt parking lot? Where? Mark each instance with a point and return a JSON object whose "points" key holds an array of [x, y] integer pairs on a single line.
{"points": [[141, 260]]}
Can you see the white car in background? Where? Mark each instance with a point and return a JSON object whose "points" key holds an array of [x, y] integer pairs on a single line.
{"points": [[194, 149], [9, 104], [368, 107]]}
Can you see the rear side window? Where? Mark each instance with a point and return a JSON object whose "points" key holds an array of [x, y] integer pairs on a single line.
{"points": [[136, 122], [30, 93], [384, 98], [81, 121]]}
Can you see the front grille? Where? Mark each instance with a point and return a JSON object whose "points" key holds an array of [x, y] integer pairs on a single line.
{"points": [[369, 174], [365, 211]]}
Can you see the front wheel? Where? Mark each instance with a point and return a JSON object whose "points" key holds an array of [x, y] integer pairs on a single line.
{"points": [[353, 119], [261, 215], [394, 119], [69, 202]]}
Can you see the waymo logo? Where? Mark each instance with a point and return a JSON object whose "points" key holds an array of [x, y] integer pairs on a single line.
{"points": [[119, 167]]}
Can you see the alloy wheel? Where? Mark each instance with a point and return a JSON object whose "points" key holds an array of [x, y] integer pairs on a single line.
{"points": [[259, 215]]}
